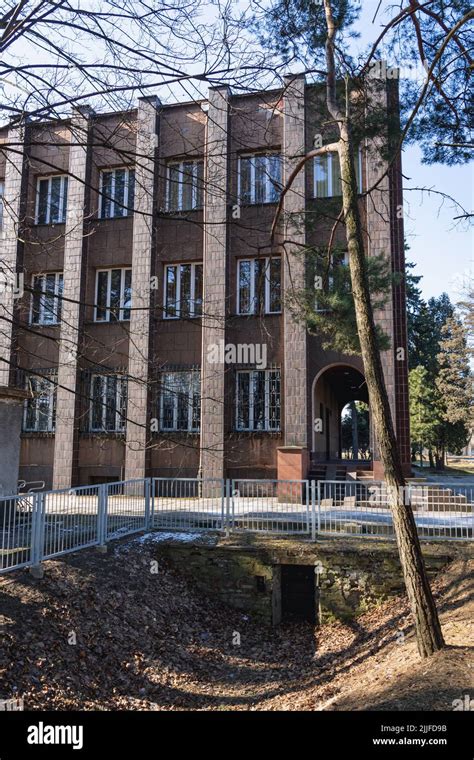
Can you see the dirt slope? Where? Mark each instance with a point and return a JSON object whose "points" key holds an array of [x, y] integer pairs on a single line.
{"points": [[107, 632]]}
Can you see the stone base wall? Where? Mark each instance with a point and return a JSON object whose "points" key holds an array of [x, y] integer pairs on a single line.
{"points": [[353, 575]]}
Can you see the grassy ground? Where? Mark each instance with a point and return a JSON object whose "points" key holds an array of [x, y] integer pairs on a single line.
{"points": [[463, 469]]}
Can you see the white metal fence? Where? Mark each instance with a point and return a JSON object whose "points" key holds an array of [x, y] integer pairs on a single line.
{"points": [[37, 526]]}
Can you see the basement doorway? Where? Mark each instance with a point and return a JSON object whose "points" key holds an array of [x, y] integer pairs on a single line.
{"points": [[298, 594]]}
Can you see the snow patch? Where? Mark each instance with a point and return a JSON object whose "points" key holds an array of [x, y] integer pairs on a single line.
{"points": [[158, 536]]}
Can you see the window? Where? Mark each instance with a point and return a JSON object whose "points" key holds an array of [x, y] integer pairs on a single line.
{"points": [[117, 192], [258, 400], [259, 286], [183, 291], [46, 298], [40, 409], [184, 188], [51, 199], [113, 295], [327, 175], [108, 404], [2, 193], [180, 401], [260, 178]]}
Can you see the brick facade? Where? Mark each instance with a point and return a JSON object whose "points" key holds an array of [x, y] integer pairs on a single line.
{"points": [[219, 132]]}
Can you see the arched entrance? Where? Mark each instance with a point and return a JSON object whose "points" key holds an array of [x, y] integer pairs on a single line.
{"points": [[333, 388]]}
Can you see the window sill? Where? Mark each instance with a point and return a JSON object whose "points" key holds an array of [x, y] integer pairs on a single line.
{"points": [[259, 316], [103, 434], [256, 204], [37, 433], [112, 218], [257, 433], [44, 324], [176, 434], [47, 224], [107, 322]]}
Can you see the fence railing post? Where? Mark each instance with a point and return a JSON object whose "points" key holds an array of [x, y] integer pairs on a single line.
{"points": [[147, 489], [228, 488], [313, 510], [319, 506], [102, 494], [152, 502], [37, 535]]}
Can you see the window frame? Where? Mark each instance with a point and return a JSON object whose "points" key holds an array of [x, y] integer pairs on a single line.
{"points": [[268, 182], [194, 376], [62, 198], [57, 298], [192, 296], [267, 293], [123, 207], [108, 307], [52, 398], [120, 422], [252, 395], [330, 157], [194, 186]]}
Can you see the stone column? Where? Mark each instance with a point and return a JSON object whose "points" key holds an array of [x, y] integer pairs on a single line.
{"points": [[11, 413], [379, 241], [294, 369], [138, 356], [13, 211], [214, 283], [65, 444]]}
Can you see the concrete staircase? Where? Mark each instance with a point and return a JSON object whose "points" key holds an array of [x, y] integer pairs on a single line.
{"points": [[432, 498]]}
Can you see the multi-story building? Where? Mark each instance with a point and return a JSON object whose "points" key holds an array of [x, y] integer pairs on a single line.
{"points": [[155, 333]]}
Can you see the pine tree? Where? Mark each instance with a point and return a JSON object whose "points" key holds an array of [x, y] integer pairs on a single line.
{"points": [[454, 385], [426, 414]]}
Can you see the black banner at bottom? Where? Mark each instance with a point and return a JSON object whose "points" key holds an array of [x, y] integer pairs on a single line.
{"points": [[376, 734]]}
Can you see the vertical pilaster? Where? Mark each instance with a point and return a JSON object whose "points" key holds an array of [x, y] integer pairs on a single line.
{"points": [[295, 375], [13, 212], [139, 344], [214, 284], [379, 240], [65, 443]]}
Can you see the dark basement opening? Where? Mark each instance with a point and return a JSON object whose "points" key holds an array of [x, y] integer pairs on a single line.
{"points": [[298, 593]]}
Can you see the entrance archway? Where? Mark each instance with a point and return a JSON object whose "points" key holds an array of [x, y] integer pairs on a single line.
{"points": [[333, 388]]}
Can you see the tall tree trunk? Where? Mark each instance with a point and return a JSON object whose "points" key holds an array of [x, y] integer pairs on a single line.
{"points": [[428, 629]]}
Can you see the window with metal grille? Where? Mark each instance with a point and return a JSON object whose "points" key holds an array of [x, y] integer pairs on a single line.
{"points": [[108, 403], [180, 401], [40, 409], [258, 400]]}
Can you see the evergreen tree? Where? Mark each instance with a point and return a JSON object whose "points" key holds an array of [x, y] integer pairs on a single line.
{"points": [[454, 386], [426, 414]]}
